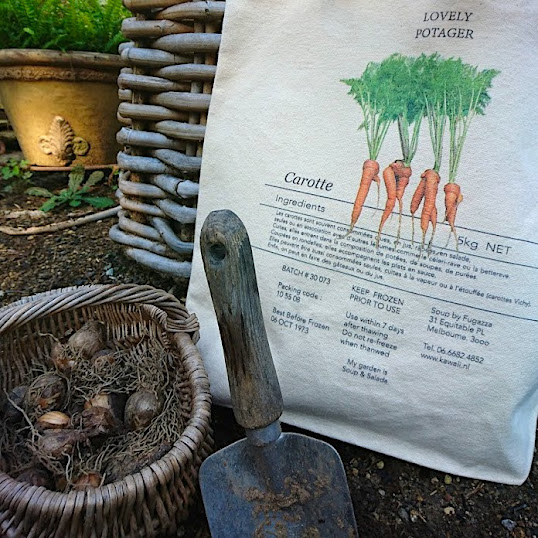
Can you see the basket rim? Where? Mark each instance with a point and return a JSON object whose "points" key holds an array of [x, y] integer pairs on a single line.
{"points": [[58, 300], [196, 430]]}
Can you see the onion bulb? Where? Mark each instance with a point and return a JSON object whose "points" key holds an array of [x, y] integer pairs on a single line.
{"points": [[98, 421], [89, 339], [141, 408], [59, 443], [46, 392], [113, 401], [60, 357], [92, 479], [99, 400], [53, 420], [102, 360]]}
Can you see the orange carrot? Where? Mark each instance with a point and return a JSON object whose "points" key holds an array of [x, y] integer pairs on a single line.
{"points": [[433, 219], [453, 198], [403, 173], [390, 184], [418, 195], [370, 171], [429, 211]]}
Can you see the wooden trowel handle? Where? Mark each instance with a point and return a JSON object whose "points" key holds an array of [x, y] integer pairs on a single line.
{"points": [[229, 267]]}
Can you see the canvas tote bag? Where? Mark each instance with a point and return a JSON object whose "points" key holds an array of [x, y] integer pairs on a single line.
{"points": [[383, 157]]}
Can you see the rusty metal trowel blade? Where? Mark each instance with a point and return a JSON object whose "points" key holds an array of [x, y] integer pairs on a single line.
{"points": [[293, 487]]}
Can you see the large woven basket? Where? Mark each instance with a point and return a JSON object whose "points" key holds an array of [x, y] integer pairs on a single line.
{"points": [[166, 91], [151, 502]]}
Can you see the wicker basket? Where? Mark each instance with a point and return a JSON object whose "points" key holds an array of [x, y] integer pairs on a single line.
{"points": [[166, 93], [151, 502]]}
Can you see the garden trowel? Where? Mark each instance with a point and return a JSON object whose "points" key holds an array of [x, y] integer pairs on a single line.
{"points": [[271, 483]]}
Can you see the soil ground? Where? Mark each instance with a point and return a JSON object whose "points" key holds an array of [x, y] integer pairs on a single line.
{"points": [[391, 498]]}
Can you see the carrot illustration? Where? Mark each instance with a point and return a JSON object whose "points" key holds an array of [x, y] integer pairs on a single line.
{"points": [[416, 200], [396, 177], [418, 195], [403, 79], [403, 174], [370, 171], [429, 211], [433, 220], [445, 93], [436, 111], [370, 92], [389, 178], [453, 198], [466, 96]]}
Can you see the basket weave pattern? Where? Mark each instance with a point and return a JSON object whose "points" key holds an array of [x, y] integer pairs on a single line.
{"points": [[151, 502], [165, 93]]}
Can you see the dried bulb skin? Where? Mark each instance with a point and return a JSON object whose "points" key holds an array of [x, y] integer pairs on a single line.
{"points": [[60, 357], [59, 443], [88, 480], [98, 421], [57, 351], [99, 400], [113, 401], [53, 420], [141, 408], [102, 360], [46, 393], [88, 340]]}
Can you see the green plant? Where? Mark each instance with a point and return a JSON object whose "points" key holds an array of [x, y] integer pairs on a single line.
{"points": [[467, 96], [89, 25], [15, 176], [402, 79], [76, 192], [374, 97]]}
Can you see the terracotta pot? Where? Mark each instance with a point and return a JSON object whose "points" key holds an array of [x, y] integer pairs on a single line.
{"points": [[62, 105]]}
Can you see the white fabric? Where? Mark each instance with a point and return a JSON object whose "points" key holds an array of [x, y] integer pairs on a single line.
{"points": [[416, 390]]}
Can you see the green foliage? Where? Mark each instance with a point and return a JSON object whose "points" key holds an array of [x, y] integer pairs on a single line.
{"points": [[76, 192], [88, 25], [465, 93], [405, 89], [402, 77], [434, 72], [15, 176], [374, 98]]}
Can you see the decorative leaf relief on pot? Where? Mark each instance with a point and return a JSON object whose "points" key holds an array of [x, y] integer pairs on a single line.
{"points": [[59, 141], [62, 143]]}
